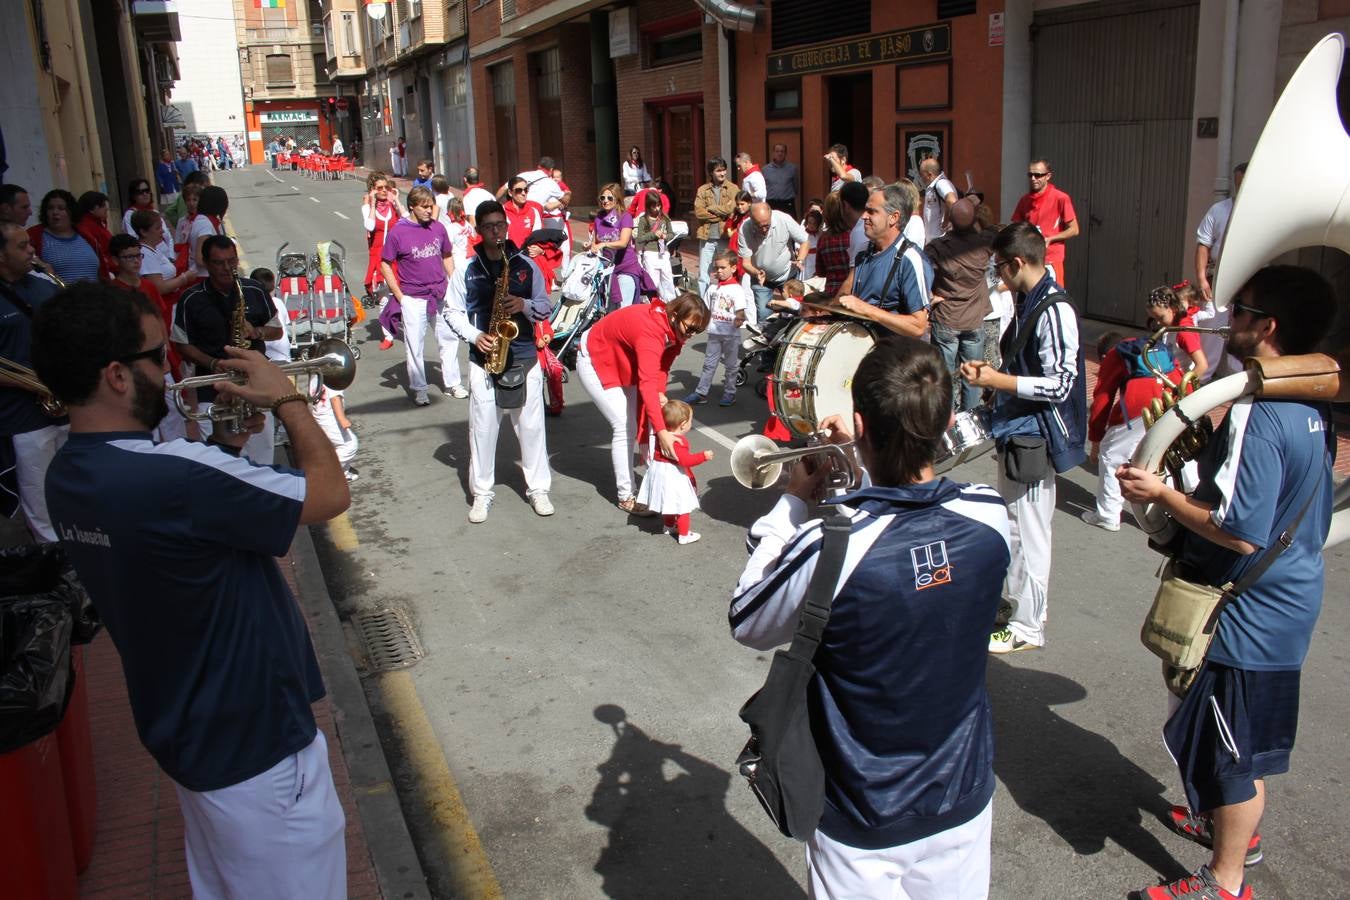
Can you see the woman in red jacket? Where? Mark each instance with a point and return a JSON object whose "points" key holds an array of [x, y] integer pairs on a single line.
{"points": [[624, 364]]}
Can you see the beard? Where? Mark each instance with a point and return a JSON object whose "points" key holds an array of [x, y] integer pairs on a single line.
{"points": [[148, 405], [1241, 344]]}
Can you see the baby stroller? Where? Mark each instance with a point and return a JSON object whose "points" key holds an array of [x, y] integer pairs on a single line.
{"points": [[760, 349], [318, 305], [585, 296], [680, 276]]}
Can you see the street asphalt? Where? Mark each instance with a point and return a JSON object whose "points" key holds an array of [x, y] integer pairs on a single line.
{"points": [[583, 687]]}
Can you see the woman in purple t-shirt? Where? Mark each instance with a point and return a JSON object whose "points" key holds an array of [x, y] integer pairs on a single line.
{"points": [[422, 250], [612, 232]]}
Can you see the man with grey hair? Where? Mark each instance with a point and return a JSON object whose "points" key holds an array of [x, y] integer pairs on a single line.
{"points": [[752, 179], [773, 250], [939, 194], [892, 282], [780, 180]]}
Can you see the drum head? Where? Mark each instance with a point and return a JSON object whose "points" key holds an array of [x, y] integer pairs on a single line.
{"points": [[821, 357]]}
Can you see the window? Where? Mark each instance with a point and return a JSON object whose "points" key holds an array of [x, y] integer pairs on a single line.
{"points": [[349, 34], [320, 69], [797, 22], [328, 37], [279, 69], [783, 98], [947, 9], [508, 9], [666, 49]]}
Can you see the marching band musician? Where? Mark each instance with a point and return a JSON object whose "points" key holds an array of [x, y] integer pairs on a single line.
{"points": [[892, 282], [203, 320], [519, 390], [1265, 476], [35, 435], [1039, 422], [906, 733], [176, 544]]}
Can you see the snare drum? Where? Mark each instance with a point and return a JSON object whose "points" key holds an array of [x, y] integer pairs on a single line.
{"points": [[813, 376], [967, 438]]}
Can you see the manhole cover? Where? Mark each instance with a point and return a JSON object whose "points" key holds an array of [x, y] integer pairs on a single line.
{"points": [[389, 640]]}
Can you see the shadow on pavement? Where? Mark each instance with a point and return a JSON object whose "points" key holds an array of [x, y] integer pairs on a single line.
{"points": [[1074, 780], [670, 834]]}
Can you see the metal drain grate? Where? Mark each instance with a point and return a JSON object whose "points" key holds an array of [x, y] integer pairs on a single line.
{"points": [[389, 640]]}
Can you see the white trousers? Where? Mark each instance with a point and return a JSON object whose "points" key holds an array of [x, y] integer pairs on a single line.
{"points": [[343, 440], [277, 835], [416, 321], [619, 407], [1030, 507], [950, 865], [485, 422], [33, 452], [726, 349], [1117, 446], [657, 264]]}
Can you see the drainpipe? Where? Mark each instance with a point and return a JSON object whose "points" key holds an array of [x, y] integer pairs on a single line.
{"points": [[731, 15], [726, 117], [1227, 98]]}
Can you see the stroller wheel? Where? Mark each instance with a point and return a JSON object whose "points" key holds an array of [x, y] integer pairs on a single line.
{"points": [[762, 388], [740, 377], [564, 375], [356, 352]]}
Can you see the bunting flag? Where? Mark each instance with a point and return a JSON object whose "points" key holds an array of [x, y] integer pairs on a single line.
{"points": [[269, 4]]}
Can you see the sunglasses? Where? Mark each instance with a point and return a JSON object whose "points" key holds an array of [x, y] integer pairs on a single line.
{"points": [[157, 355], [1037, 174], [1251, 311], [606, 198], [518, 190], [143, 190]]}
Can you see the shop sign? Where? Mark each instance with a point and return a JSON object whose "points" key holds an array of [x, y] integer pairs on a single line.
{"points": [[996, 29], [911, 45], [289, 116]]}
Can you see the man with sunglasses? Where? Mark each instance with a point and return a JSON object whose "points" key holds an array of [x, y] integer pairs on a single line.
{"points": [[1265, 481], [177, 544], [1039, 422], [1051, 211], [35, 435]]}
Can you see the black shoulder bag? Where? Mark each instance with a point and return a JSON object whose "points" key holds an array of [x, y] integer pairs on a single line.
{"points": [[1026, 457], [780, 760]]}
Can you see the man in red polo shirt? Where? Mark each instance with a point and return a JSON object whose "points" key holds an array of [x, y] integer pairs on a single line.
{"points": [[1051, 211]]}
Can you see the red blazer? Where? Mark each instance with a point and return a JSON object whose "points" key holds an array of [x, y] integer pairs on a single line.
{"points": [[684, 458], [635, 347]]}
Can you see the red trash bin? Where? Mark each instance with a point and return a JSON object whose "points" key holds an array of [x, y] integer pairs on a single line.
{"points": [[77, 765], [36, 854]]}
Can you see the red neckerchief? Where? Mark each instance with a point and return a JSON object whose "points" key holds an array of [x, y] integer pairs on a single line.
{"points": [[727, 282], [748, 172], [469, 187]]}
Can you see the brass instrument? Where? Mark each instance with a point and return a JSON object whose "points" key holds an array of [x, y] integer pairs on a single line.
{"points": [[44, 268], [233, 415], [757, 463], [333, 363], [500, 325], [14, 375], [1189, 443]]}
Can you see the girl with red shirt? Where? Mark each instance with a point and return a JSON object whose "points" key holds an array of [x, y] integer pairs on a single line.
{"points": [[624, 363], [670, 488], [379, 212]]}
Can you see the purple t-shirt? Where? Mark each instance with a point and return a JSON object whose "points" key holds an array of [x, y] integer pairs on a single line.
{"points": [[607, 228], [419, 250]]}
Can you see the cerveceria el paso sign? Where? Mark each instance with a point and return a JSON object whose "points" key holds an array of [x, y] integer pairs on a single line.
{"points": [[910, 45]]}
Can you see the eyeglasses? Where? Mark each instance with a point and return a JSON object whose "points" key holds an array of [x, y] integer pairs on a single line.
{"points": [[157, 355], [495, 223], [1001, 263], [1251, 311]]}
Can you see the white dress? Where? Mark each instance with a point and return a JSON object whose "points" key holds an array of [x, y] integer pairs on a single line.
{"points": [[666, 489]]}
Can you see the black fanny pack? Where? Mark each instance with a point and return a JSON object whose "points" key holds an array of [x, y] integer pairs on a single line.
{"points": [[1026, 458], [510, 384]]}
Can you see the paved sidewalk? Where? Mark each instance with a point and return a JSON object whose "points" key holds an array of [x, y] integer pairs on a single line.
{"points": [[138, 851]]}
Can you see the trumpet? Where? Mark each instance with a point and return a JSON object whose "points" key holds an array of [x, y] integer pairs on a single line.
{"points": [[334, 364], [757, 463], [14, 375]]}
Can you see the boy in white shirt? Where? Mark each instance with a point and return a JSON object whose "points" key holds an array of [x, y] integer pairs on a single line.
{"points": [[331, 415], [728, 302]]}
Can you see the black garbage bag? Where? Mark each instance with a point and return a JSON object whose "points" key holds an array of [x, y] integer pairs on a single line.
{"points": [[43, 608]]}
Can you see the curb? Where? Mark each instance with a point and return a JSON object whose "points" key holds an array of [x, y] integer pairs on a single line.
{"points": [[397, 867]]}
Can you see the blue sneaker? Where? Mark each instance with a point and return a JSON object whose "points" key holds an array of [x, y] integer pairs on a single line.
{"points": [[695, 398], [726, 401]]}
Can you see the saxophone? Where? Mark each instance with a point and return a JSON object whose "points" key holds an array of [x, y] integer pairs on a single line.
{"points": [[232, 415], [500, 325]]}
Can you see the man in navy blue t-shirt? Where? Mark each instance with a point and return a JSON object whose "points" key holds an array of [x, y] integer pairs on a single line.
{"points": [[892, 282], [1269, 461], [176, 544]]}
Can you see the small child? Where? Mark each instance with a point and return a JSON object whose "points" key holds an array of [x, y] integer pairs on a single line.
{"points": [[728, 302], [280, 349], [331, 414], [1115, 424], [791, 301], [669, 487]]}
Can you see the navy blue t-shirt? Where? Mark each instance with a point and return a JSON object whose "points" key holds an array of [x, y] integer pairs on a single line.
{"points": [[176, 543], [911, 287], [1264, 462], [19, 409]]}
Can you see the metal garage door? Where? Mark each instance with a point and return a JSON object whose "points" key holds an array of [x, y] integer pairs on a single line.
{"points": [[1111, 109]]}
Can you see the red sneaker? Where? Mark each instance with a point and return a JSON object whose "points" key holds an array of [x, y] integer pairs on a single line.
{"points": [[1200, 886], [1196, 826], [386, 344]]}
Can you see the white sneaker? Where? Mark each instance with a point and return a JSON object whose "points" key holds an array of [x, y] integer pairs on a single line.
{"points": [[1090, 516], [352, 474], [478, 512], [421, 399], [457, 391], [541, 504], [689, 538]]}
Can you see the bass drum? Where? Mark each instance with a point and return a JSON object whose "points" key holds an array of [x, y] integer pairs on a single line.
{"points": [[813, 376]]}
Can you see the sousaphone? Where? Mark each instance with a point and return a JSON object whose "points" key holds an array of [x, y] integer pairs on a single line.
{"points": [[1272, 215]]}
